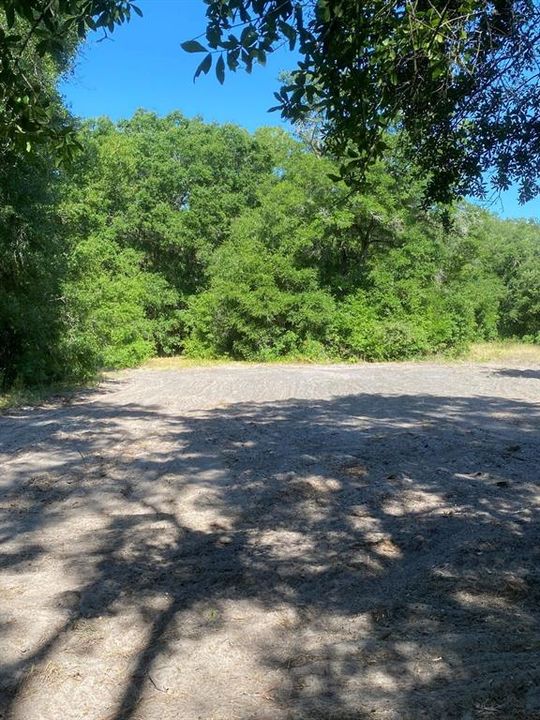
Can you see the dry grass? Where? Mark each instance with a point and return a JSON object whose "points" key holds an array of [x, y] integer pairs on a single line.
{"points": [[41, 394], [500, 352], [513, 352], [179, 362], [497, 352], [25, 396]]}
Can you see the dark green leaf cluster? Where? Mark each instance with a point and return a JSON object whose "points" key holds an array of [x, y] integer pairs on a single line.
{"points": [[34, 328], [147, 204], [37, 41], [204, 239], [458, 79]]}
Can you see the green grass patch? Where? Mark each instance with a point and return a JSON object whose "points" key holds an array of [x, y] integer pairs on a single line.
{"points": [[37, 395]]}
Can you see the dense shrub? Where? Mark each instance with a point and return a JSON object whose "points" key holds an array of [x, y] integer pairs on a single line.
{"points": [[258, 307], [117, 308], [32, 269]]}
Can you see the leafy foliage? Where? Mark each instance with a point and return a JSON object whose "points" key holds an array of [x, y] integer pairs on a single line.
{"points": [[31, 268], [48, 32], [170, 235], [146, 206], [459, 79], [258, 306], [511, 252]]}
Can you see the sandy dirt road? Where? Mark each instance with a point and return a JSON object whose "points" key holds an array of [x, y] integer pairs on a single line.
{"points": [[274, 542]]}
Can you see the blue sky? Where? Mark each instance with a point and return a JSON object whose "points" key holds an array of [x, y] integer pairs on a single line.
{"points": [[142, 65]]}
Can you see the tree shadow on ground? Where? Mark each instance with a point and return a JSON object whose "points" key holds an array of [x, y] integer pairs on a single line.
{"points": [[391, 539], [519, 373]]}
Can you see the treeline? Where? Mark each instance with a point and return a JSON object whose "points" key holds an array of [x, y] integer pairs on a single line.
{"points": [[171, 235]]}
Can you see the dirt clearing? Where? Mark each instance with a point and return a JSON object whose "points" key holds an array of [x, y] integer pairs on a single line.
{"points": [[275, 542]]}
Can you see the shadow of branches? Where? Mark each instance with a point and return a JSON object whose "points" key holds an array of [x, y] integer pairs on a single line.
{"points": [[520, 373], [365, 556]]}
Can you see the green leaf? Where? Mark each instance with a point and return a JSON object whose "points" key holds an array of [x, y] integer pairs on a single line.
{"points": [[213, 36], [10, 16], [289, 32], [232, 60], [248, 36], [220, 70], [204, 67], [192, 46]]}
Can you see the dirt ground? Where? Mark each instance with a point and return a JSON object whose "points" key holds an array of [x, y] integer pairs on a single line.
{"points": [[274, 542]]}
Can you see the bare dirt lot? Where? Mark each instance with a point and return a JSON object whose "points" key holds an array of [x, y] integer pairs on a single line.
{"points": [[236, 543]]}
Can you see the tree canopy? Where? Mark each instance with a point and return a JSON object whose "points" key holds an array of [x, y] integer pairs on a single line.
{"points": [[459, 79], [171, 235], [37, 40]]}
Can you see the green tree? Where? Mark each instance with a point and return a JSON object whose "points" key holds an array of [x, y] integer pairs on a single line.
{"points": [[258, 306], [510, 252], [458, 79], [32, 265], [170, 235], [33, 248], [387, 280], [37, 41], [149, 200]]}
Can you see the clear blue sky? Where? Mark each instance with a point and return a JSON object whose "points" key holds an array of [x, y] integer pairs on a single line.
{"points": [[142, 65]]}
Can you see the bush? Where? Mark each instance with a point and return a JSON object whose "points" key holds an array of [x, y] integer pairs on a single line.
{"points": [[118, 310], [172, 235], [258, 307]]}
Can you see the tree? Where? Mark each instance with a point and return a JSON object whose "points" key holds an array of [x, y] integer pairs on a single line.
{"points": [[145, 204], [32, 265], [37, 41], [458, 79], [316, 270]]}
